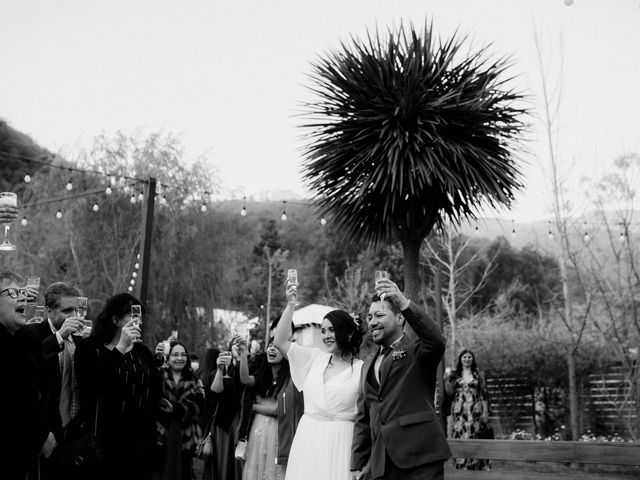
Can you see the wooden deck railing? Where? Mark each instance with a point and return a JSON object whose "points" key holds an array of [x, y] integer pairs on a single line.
{"points": [[576, 453]]}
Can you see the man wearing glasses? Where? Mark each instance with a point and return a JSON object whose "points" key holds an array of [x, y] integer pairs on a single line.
{"points": [[24, 428]]}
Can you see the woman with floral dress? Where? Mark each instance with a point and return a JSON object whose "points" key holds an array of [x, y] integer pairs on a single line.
{"points": [[470, 406]]}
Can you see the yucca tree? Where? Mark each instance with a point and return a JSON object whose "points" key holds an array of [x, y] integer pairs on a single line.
{"points": [[407, 131]]}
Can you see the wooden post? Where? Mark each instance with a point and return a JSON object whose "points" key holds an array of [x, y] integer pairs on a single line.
{"points": [[267, 326], [145, 241]]}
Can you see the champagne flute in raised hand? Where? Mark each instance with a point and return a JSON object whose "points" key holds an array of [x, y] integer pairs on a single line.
{"points": [[33, 281], [226, 367], [292, 279], [136, 316], [380, 275], [81, 308], [10, 199]]}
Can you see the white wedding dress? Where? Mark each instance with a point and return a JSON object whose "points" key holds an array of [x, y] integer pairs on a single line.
{"points": [[321, 448]]}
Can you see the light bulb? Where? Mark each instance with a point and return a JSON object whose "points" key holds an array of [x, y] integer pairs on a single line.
{"points": [[24, 221], [69, 186], [130, 289], [96, 207], [108, 191], [550, 235], [323, 221], [284, 216], [138, 256], [244, 211], [136, 266], [133, 198], [163, 200], [586, 237], [58, 214], [134, 274], [621, 237], [27, 178], [203, 208], [141, 197], [132, 282]]}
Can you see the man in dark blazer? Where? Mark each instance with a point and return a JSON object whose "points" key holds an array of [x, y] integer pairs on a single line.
{"points": [[397, 434], [58, 327]]}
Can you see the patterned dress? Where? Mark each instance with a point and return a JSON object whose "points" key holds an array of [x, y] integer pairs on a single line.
{"points": [[466, 413]]}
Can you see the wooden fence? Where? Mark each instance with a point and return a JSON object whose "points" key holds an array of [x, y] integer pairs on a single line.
{"points": [[511, 403], [551, 460]]}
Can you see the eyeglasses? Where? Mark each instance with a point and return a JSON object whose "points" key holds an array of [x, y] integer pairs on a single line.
{"points": [[13, 292]]}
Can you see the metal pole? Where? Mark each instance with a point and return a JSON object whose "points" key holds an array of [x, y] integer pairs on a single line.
{"points": [[145, 241], [267, 326]]}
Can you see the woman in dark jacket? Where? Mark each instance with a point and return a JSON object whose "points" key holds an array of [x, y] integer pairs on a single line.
{"points": [[118, 380], [178, 430]]}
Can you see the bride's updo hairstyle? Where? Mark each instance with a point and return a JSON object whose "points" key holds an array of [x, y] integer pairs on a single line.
{"points": [[348, 332]]}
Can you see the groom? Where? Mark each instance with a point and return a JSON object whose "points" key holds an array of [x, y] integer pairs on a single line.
{"points": [[397, 433]]}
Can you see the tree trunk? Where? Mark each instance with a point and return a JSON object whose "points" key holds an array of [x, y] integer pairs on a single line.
{"points": [[573, 395]]}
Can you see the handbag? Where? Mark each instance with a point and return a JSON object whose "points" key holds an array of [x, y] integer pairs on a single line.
{"points": [[241, 450], [80, 457], [205, 447]]}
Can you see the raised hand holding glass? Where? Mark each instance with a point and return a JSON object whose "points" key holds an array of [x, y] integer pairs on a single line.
{"points": [[10, 199]]}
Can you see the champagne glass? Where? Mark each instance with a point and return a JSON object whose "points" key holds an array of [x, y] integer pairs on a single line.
{"points": [[10, 199], [380, 275], [38, 316], [136, 316], [226, 368], [292, 279], [81, 307], [33, 282]]}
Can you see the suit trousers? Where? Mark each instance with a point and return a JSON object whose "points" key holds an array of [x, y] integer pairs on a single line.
{"points": [[428, 471]]}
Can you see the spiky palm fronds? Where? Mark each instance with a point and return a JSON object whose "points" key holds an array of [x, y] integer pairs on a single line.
{"points": [[408, 131]]}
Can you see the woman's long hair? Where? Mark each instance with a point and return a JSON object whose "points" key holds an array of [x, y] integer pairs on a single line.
{"points": [[265, 385], [208, 367], [114, 310], [187, 373], [474, 366]]}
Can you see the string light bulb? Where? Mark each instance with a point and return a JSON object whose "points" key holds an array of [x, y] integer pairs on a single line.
{"points": [[133, 198], [284, 211], [243, 212], [586, 234], [621, 237], [24, 222], [130, 289], [58, 214], [134, 274], [69, 186], [96, 207], [108, 191], [323, 221], [140, 197], [27, 178], [163, 200], [132, 281], [203, 208], [136, 266]]}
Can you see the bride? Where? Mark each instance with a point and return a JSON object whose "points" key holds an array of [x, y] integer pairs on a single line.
{"points": [[329, 381]]}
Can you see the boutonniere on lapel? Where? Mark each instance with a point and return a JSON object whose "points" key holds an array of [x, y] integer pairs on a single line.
{"points": [[399, 354]]}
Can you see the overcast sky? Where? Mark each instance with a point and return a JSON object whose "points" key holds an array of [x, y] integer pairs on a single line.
{"points": [[228, 77]]}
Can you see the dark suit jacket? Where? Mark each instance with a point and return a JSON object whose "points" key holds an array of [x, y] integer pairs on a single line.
{"points": [[397, 417], [22, 416], [50, 350]]}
